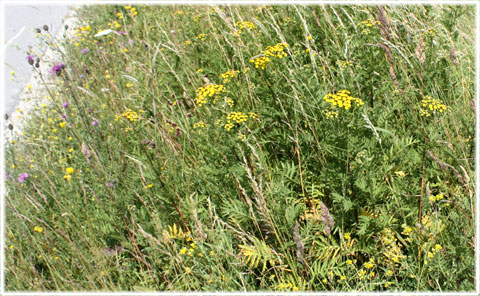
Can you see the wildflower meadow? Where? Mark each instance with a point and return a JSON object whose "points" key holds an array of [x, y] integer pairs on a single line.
{"points": [[247, 148]]}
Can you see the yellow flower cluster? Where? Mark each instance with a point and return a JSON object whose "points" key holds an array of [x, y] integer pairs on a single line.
{"points": [[287, 287], [175, 232], [202, 36], [277, 50], [237, 117], [83, 29], [189, 252], [393, 253], [200, 124], [331, 114], [370, 264], [229, 74], [129, 114], [345, 64], [349, 241], [367, 24], [434, 198], [434, 251], [68, 176], [208, 91], [407, 231], [229, 102], [132, 10], [260, 62], [430, 106], [271, 51], [342, 99], [243, 25], [38, 229]]}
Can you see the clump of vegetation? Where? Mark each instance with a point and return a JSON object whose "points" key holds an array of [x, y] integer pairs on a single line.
{"points": [[244, 148]]}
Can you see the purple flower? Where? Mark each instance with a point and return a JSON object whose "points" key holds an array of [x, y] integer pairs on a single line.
{"points": [[130, 41], [31, 59], [64, 116], [22, 177], [7, 176], [65, 105], [127, 69], [57, 69], [94, 123], [122, 32], [99, 51], [85, 50]]}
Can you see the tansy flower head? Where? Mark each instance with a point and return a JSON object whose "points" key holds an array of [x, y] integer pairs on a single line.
{"points": [[342, 99], [431, 106], [210, 90], [260, 62], [38, 229]]}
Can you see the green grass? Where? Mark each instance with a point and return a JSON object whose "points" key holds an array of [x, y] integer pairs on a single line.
{"points": [[173, 193]]}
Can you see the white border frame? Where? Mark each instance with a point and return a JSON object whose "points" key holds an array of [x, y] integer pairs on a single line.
{"points": [[4, 3]]}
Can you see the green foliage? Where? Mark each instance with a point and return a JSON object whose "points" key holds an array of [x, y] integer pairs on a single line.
{"points": [[309, 174]]}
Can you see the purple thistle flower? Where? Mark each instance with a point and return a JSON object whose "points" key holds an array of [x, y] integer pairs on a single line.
{"points": [[31, 59], [130, 42], [23, 177], [65, 105], [7, 176], [85, 50], [122, 32], [94, 123], [64, 116], [127, 69], [57, 69]]}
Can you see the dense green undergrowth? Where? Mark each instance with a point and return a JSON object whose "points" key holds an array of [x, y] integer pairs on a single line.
{"points": [[244, 148]]}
